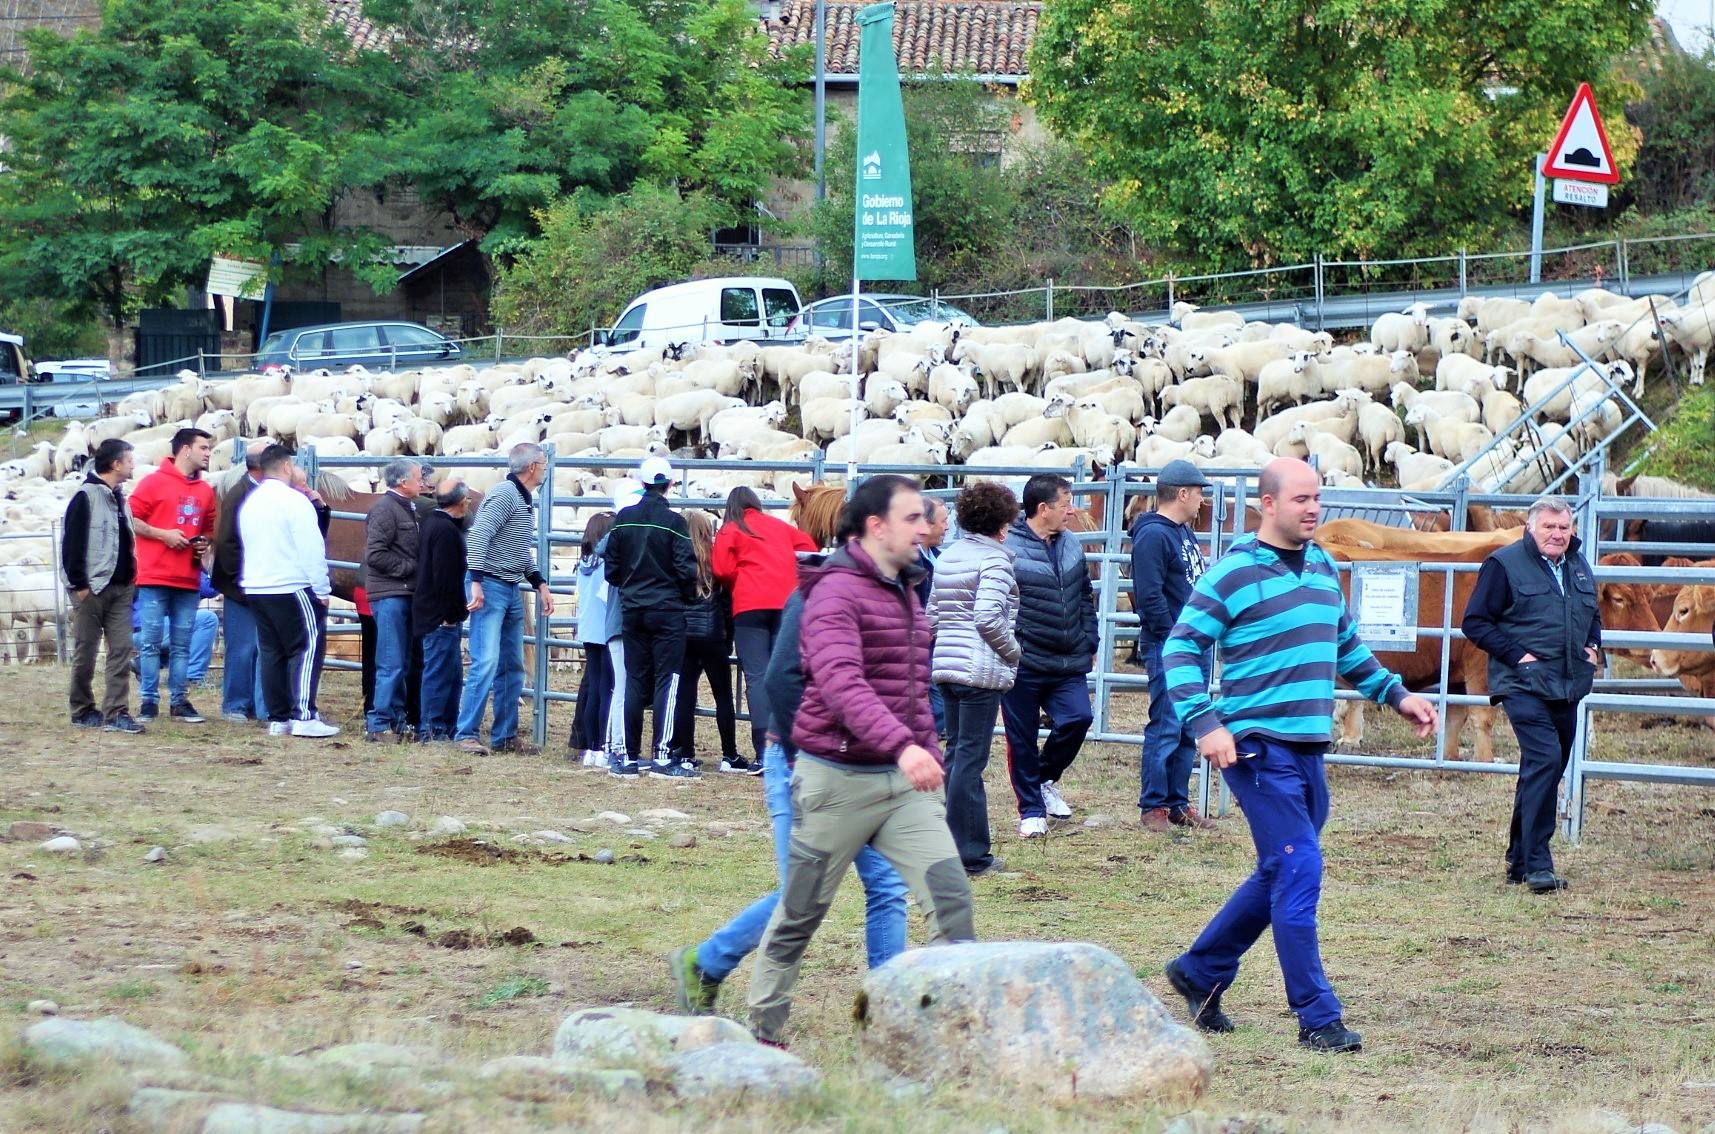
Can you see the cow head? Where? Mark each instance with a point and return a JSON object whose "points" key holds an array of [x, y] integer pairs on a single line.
{"points": [[1693, 613]]}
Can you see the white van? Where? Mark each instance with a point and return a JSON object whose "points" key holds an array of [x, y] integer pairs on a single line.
{"points": [[723, 310]]}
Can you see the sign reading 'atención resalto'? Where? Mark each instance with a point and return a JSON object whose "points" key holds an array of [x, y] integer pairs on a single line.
{"points": [[885, 246]]}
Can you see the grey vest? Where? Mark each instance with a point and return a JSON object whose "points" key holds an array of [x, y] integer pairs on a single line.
{"points": [[1552, 626], [104, 520]]}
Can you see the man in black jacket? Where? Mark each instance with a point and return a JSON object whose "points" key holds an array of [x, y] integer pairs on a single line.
{"points": [[438, 608], [1057, 630], [241, 672], [390, 577], [98, 556], [649, 561], [1165, 561], [1534, 612]]}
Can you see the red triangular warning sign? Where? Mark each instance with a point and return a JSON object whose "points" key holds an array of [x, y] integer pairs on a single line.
{"points": [[1580, 151]]}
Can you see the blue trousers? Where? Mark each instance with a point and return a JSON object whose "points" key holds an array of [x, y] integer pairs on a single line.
{"points": [[175, 609], [496, 664], [1169, 752], [884, 890], [443, 679], [241, 675], [1066, 700], [392, 657], [1284, 794]]}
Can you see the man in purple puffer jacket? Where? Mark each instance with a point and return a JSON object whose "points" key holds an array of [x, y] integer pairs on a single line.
{"points": [[869, 769]]}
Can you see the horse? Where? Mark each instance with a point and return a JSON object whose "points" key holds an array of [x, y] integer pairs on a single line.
{"points": [[1688, 531]]}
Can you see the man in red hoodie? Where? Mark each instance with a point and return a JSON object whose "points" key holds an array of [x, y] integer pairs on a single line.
{"points": [[869, 767], [173, 516]]}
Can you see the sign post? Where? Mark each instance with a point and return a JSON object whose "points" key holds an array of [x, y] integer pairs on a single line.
{"points": [[1582, 163], [883, 242]]}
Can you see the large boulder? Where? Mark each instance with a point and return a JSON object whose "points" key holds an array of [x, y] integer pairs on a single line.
{"points": [[632, 1037], [60, 1042], [747, 1070], [1057, 1020]]}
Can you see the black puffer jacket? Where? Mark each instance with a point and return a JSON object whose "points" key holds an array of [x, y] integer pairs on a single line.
{"points": [[649, 558], [1056, 604]]}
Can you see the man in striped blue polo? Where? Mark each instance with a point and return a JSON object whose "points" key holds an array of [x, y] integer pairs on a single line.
{"points": [[1273, 605]]}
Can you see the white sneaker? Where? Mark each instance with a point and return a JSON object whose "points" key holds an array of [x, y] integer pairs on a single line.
{"points": [[1034, 828], [595, 759], [279, 728], [1056, 803], [314, 728]]}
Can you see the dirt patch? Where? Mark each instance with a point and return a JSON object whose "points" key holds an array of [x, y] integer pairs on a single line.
{"points": [[1039, 894], [370, 909], [469, 939], [473, 851]]}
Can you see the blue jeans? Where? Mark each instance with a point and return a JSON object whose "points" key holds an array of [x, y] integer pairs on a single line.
{"points": [[938, 707], [1284, 794], [174, 610], [241, 676], [1169, 751], [392, 656], [496, 664], [884, 890], [1066, 700], [443, 678]]}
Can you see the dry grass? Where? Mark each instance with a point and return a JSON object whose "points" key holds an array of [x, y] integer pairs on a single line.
{"points": [[1482, 1007]]}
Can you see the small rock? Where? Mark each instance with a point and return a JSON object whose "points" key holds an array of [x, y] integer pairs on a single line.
{"points": [[447, 825], [718, 830], [246, 1118], [348, 841], [554, 837], [62, 844], [634, 1037], [641, 833], [661, 815], [327, 830], [42, 1008], [742, 1069], [354, 964], [1100, 821], [61, 1042], [29, 831], [210, 835], [391, 819], [535, 1077], [159, 1108], [603, 856], [354, 854], [682, 840], [614, 817], [156, 854], [905, 1090]]}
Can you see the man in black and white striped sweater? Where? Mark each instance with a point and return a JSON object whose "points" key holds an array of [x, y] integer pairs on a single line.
{"points": [[501, 551]]}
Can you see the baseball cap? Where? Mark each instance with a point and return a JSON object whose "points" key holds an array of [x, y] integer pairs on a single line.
{"points": [[655, 470], [1181, 474], [626, 492]]}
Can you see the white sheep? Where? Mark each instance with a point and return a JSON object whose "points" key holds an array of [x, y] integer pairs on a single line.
{"points": [[1378, 427], [999, 365], [1181, 423], [1217, 396], [72, 451], [1189, 317], [952, 387], [1693, 331], [467, 438], [1289, 381], [417, 435], [1412, 467], [1038, 432], [1093, 427], [827, 418], [1407, 330], [1459, 371], [871, 435], [691, 411]]}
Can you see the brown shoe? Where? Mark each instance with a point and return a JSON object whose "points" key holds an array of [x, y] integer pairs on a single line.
{"points": [[473, 746], [1157, 820], [1191, 817]]}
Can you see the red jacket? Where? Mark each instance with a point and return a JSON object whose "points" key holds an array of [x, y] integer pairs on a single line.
{"points": [[865, 648], [762, 568], [166, 498]]}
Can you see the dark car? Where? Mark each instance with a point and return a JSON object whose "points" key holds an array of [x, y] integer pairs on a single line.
{"points": [[832, 318], [381, 343]]}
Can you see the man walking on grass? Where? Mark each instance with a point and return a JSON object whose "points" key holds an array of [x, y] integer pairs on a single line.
{"points": [[100, 563], [1273, 606], [869, 767]]}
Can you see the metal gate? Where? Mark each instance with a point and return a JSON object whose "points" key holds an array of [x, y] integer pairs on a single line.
{"points": [[169, 340]]}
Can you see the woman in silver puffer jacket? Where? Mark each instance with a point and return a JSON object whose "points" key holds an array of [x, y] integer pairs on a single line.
{"points": [[973, 610]]}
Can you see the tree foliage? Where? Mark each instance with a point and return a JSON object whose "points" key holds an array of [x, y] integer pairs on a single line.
{"points": [[172, 132], [1676, 164], [1241, 133], [506, 106]]}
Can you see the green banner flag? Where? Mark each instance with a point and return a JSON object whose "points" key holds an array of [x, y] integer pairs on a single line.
{"points": [[884, 247]]}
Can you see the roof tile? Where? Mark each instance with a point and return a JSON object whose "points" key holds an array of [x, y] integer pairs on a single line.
{"points": [[988, 37]]}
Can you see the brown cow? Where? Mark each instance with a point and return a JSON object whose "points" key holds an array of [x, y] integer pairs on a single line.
{"points": [[1627, 606], [1693, 613]]}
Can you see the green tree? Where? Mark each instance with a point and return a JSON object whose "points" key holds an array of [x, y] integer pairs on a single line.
{"points": [[1676, 164], [172, 132], [507, 106], [1243, 133]]}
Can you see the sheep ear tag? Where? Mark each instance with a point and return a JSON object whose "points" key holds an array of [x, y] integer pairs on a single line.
{"points": [[1580, 151]]}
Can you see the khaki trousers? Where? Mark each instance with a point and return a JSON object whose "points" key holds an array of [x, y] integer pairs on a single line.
{"points": [[102, 617], [836, 813]]}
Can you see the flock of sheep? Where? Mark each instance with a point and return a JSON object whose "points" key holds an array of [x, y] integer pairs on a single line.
{"points": [[1418, 399]]}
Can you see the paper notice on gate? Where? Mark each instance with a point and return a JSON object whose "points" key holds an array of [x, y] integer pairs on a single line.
{"points": [[1384, 599]]}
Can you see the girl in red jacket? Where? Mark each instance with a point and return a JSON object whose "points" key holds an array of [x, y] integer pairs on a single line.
{"points": [[756, 558]]}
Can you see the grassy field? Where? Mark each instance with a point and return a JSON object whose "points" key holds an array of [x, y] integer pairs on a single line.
{"points": [[1482, 1008]]}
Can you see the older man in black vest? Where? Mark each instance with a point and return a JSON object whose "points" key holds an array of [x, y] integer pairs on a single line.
{"points": [[1534, 613]]}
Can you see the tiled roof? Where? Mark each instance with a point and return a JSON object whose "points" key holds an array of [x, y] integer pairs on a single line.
{"points": [[988, 37], [347, 15]]}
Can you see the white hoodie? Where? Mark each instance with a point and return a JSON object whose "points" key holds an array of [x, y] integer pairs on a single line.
{"points": [[283, 547]]}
